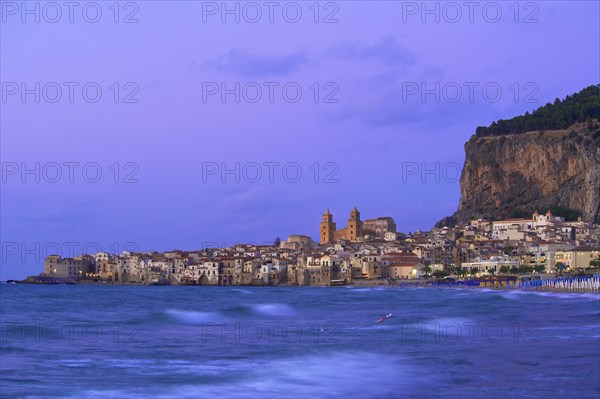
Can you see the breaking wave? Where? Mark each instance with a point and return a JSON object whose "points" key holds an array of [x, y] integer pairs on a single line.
{"points": [[233, 313]]}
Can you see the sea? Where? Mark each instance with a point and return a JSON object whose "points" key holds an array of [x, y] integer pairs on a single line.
{"points": [[78, 341]]}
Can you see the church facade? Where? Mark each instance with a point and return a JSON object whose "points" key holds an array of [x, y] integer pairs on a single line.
{"points": [[329, 233]]}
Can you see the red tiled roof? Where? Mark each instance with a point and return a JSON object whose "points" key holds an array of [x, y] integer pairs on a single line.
{"points": [[403, 264]]}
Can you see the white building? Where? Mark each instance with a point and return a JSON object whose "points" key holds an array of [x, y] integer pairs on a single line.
{"points": [[486, 266]]}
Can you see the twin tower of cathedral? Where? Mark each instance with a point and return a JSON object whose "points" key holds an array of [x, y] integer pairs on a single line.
{"points": [[329, 233]]}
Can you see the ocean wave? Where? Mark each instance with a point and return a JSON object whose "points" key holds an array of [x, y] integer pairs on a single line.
{"points": [[448, 325], [367, 289], [233, 313], [191, 317], [518, 294], [242, 291], [274, 309], [315, 375]]}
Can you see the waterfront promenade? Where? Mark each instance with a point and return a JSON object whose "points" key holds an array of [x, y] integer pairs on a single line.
{"points": [[588, 283]]}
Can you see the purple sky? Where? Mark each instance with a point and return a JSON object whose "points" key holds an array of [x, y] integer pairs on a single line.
{"points": [[369, 140]]}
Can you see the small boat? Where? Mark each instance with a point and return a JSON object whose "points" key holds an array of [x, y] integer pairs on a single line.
{"points": [[384, 318]]}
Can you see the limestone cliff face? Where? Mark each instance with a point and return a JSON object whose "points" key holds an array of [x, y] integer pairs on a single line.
{"points": [[529, 171]]}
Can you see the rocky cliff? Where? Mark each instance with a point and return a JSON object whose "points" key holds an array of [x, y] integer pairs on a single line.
{"points": [[510, 174]]}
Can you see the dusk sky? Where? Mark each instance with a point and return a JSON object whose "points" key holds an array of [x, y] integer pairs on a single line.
{"points": [[362, 120]]}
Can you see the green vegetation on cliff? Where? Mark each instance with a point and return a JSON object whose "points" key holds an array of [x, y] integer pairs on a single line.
{"points": [[555, 166], [578, 108]]}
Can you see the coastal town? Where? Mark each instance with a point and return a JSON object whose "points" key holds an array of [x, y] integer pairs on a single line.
{"points": [[365, 252]]}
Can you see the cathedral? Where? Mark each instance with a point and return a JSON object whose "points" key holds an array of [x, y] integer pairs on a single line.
{"points": [[329, 233]]}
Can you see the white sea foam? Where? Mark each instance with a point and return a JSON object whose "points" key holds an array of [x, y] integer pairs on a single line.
{"points": [[369, 289], [336, 374], [74, 362], [273, 309], [194, 318], [518, 294], [229, 314]]}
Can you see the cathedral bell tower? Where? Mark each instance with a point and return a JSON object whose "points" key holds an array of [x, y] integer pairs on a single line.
{"points": [[354, 225], [327, 228]]}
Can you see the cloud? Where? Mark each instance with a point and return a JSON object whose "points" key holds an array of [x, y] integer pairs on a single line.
{"points": [[386, 97], [241, 62], [386, 50], [240, 200]]}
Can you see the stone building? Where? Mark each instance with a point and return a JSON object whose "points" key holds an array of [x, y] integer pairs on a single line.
{"points": [[401, 265], [56, 266], [379, 227], [329, 233]]}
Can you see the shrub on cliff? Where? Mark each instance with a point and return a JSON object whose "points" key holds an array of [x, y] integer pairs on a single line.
{"points": [[582, 107]]}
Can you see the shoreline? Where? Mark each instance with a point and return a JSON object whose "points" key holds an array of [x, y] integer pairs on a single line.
{"points": [[362, 284]]}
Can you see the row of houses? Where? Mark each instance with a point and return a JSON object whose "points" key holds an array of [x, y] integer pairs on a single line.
{"points": [[210, 267], [545, 242]]}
